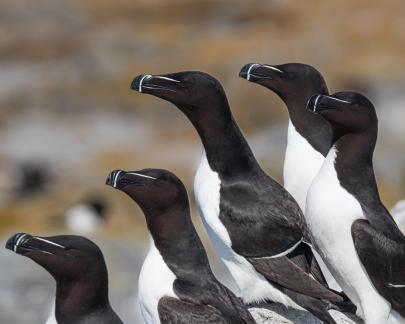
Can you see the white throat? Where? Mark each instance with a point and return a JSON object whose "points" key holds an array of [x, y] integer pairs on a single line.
{"points": [[301, 165], [155, 281]]}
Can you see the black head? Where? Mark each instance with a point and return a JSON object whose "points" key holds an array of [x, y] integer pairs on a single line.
{"points": [[152, 189], [290, 81], [348, 112], [65, 256], [196, 94]]}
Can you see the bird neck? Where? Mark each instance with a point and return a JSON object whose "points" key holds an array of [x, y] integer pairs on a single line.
{"points": [[314, 128], [227, 150], [78, 299], [177, 241]]}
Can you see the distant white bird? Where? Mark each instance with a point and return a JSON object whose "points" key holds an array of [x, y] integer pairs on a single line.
{"points": [[86, 217]]}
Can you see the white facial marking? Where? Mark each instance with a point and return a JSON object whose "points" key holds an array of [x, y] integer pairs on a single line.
{"points": [[18, 242], [141, 175], [395, 286], [339, 100], [249, 70], [273, 68], [147, 77], [165, 78], [49, 242], [116, 178], [316, 101]]}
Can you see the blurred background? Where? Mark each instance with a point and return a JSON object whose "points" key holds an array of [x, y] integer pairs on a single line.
{"points": [[67, 116]]}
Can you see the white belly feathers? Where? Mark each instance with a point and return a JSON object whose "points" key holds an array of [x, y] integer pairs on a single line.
{"points": [[253, 287]]}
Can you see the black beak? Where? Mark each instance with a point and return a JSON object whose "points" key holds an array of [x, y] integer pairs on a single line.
{"points": [[114, 177], [137, 82], [15, 242], [147, 82], [313, 103], [318, 103], [244, 71]]}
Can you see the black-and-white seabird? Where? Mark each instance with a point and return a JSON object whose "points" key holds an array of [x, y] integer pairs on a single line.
{"points": [[176, 284], [309, 136], [78, 266], [255, 225], [353, 231]]}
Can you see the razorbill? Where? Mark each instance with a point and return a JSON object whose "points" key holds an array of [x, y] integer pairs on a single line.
{"points": [[309, 135], [254, 223], [176, 284], [353, 231], [78, 266]]}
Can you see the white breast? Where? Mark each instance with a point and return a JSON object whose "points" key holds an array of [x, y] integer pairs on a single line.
{"points": [[301, 165], [52, 319], [155, 281], [330, 213], [253, 287]]}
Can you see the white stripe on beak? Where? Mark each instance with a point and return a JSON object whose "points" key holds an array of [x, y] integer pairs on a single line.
{"points": [[273, 68], [316, 102], [165, 78], [339, 100], [250, 70], [116, 178], [141, 175], [18, 242], [49, 242], [396, 286], [146, 76]]}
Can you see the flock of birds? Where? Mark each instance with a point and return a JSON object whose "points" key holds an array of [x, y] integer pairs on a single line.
{"points": [[323, 241]]}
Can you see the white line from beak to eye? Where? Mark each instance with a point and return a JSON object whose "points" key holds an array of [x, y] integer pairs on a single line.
{"points": [[116, 178], [273, 68], [316, 102], [141, 175], [146, 76], [395, 286], [165, 78], [49, 242], [339, 100], [250, 70], [18, 242]]}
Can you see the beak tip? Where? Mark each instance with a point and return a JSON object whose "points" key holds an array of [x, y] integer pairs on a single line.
{"points": [[13, 242], [112, 178], [136, 83], [244, 72]]}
